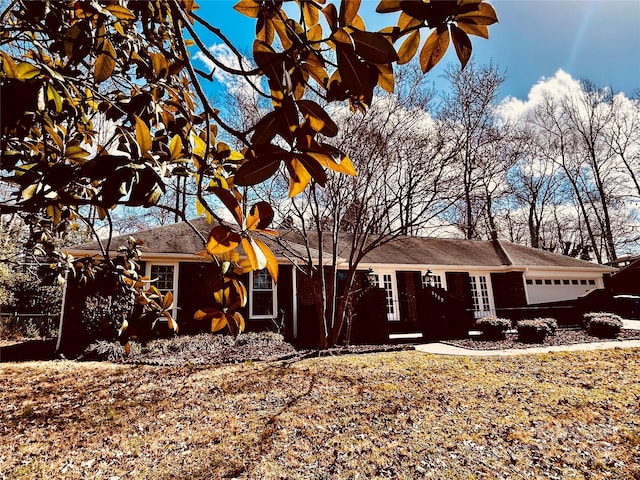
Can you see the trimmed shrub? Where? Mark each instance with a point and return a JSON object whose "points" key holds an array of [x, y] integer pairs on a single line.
{"points": [[551, 323], [602, 324], [492, 327], [534, 330]]}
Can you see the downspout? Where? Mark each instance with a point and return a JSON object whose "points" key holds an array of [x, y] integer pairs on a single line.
{"points": [[294, 302], [524, 281], [62, 307]]}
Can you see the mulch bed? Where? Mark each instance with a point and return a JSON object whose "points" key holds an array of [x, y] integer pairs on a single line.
{"points": [[206, 349], [562, 337], [243, 354]]}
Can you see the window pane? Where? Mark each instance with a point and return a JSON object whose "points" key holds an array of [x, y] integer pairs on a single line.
{"points": [[262, 295], [262, 303], [479, 293], [388, 289], [262, 280], [163, 275], [484, 291]]}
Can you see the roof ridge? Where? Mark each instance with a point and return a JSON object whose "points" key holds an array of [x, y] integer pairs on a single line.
{"points": [[502, 253]]}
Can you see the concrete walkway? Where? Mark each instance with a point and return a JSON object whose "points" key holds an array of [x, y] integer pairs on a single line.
{"points": [[444, 349]]}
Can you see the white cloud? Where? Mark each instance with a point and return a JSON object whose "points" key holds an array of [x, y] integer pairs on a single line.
{"points": [[558, 86], [224, 55]]}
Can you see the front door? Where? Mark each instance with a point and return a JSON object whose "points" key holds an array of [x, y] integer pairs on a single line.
{"points": [[408, 285], [386, 281]]}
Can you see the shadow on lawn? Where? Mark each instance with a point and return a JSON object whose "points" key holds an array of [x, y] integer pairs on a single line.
{"points": [[28, 351]]}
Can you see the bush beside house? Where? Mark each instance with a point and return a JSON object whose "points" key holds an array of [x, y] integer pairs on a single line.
{"points": [[492, 327], [602, 324], [534, 330]]}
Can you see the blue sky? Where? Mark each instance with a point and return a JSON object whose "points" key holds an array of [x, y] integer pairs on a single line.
{"points": [[589, 39]]}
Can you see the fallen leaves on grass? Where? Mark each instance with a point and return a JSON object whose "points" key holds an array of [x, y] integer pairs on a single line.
{"points": [[386, 415]]}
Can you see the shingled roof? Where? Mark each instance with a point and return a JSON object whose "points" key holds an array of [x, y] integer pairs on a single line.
{"points": [[179, 238], [449, 251], [176, 238]]}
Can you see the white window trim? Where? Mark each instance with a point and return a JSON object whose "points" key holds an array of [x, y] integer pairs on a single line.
{"points": [[274, 293], [492, 305], [176, 274], [395, 316]]}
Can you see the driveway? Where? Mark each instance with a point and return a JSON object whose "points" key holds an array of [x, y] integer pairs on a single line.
{"points": [[444, 349]]}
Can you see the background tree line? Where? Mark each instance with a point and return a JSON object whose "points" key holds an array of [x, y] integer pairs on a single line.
{"points": [[562, 175]]}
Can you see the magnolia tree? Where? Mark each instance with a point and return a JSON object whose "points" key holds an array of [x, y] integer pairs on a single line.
{"points": [[68, 65]]}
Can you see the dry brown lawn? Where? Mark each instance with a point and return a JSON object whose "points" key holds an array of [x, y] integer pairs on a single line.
{"points": [[389, 415]]}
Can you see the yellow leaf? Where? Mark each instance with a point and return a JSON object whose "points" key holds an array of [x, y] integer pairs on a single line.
{"points": [[473, 29], [239, 319], [26, 71], [314, 34], [118, 27], [386, 78], [485, 15], [54, 214], [358, 23], [311, 14], [314, 68], [120, 12], [300, 177], [54, 136], [283, 33], [345, 165], [260, 216], [235, 156], [348, 11], [341, 36], [434, 49], [272, 263], [204, 315], [409, 47], [198, 146], [52, 94], [9, 67], [127, 348], [222, 239], [222, 296], [29, 191], [175, 148], [241, 290], [250, 8], [171, 323], [76, 153], [143, 135], [199, 207], [256, 258], [218, 322], [105, 62], [406, 21], [160, 65], [167, 302]]}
